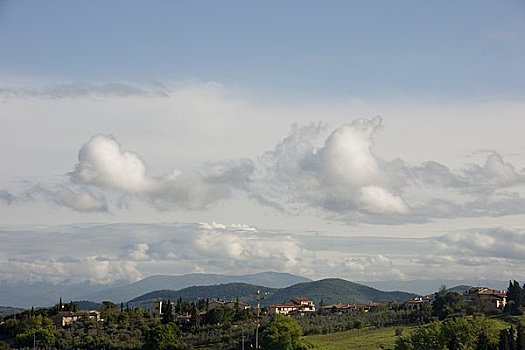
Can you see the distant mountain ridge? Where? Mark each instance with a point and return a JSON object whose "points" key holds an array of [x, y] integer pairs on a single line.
{"points": [[25, 294], [331, 291], [7, 311], [152, 283], [244, 292]]}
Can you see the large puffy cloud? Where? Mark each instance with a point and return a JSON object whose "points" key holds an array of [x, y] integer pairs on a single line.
{"points": [[346, 180], [341, 175], [347, 159], [333, 174], [351, 174], [494, 173], [102, 163], [378, 200]]}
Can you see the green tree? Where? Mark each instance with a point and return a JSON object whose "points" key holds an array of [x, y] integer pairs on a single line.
{"points": [[108, 311], [182, 307], [504, 340], [515, 297], [520, 338], [448, 304], [45, 337], [484, 343], [461, 333], [512, 340], [282, 333], [219, 315], [404, 343], [37, 330], [428, 337], [163, 337], [167, 312], [194, 320]]}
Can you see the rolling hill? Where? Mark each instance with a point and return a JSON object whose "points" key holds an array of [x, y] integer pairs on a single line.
{"points": [[335, 290], [330, 290], [246, 293], [7, 311], [425, 287], [154, 283]]}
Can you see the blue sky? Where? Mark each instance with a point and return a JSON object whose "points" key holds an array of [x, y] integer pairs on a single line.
{"points": [[435, 49], [247, 125]]}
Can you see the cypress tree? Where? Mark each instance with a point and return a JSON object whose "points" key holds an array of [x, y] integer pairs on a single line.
{"points": [[514, 297], [504, 343], [482, 343], [194, 316], [453, 342], [167, 313], [512, 340], [520, 338]]}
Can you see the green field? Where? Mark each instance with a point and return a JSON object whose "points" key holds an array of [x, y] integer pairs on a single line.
{"points": [[374, 339], [366, 339]]}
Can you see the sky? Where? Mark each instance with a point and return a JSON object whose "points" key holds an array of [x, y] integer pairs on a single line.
{"points": [[367, 140]]}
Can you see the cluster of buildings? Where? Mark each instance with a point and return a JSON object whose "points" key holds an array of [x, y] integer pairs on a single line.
{"points": [[304, 305], [490, 298], [487, 296], [66, 318], [296, 305]]}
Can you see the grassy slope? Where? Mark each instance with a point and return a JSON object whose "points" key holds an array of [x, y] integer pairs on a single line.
{"points": [[366, 339], [370, 338]]}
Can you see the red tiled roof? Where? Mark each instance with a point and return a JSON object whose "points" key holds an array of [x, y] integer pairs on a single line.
{"points": [[302, 299], [284, 305]]}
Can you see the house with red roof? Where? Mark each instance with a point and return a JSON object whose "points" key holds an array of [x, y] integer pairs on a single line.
{"points": [[296, 305]]}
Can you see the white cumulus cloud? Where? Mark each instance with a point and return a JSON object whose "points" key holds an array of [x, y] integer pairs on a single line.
{"points": [[341, 175], [102, 163], [377, 200]]}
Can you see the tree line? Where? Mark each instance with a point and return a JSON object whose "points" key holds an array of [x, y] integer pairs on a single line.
{"points": [[450, 322]]}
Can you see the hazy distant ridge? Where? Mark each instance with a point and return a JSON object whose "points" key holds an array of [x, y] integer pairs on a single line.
{"points": [[246, 293], [266, 279]]}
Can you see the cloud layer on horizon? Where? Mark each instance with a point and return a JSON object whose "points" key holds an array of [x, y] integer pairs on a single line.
{"points": [[109, 253]]}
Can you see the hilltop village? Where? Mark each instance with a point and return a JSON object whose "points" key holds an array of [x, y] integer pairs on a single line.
{"points": [[235, 324]]}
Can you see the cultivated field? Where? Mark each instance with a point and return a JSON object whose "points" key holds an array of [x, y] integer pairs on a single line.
{"points": [[366, 339]]}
